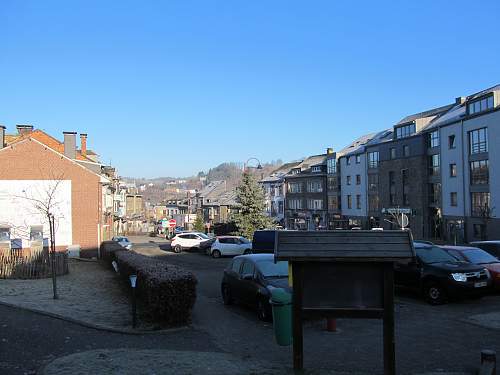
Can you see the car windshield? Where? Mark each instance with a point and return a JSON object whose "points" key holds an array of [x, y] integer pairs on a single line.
{"points": [[434, 254], [204, 236], [244, 240], [270, 269], [479, 256]]}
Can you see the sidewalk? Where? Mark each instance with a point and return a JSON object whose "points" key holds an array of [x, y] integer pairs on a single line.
{"points": [[90, 295]]}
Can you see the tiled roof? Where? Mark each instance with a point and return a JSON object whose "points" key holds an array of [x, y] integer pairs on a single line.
{"points": [[357, 145], [431, 112], [44, 138]]}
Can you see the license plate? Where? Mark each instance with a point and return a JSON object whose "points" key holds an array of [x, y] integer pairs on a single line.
{"points": [[480, 285]]}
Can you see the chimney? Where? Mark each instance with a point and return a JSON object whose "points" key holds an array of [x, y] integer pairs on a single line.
{"points": [[460, 100], [24, 129], [2, 136], [70, 144], [83, 144], [329, 151]]}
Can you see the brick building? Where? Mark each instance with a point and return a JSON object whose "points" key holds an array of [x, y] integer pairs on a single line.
{"points": [[32, 163]]}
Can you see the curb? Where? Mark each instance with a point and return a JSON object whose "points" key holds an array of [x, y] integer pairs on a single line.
{"points": [[97, 327]]}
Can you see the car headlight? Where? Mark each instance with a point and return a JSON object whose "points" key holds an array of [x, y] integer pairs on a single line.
{"points": [[462, 277]]}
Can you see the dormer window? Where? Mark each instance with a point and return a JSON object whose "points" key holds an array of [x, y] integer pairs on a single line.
{"points": [[480, 105], [316, 169], [296, 171], [405, 130]]}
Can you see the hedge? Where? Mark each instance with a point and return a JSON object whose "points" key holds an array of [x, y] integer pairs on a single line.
{"points": [[167, 292]]}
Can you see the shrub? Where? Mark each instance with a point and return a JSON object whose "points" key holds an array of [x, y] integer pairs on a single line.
{"points": [[108, 250], [167, 292]]}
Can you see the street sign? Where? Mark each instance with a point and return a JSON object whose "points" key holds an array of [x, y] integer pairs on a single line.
{"points": [[172, 223]]}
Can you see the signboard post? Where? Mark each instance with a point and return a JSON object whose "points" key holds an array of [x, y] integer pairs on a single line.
{"points": [[357, 266]]}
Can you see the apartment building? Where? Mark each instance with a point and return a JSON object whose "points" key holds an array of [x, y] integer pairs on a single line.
{"points": [[275, 192], [306, 194]]}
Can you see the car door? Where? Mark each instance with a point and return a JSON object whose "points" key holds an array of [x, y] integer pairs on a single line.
{"points": [[408, 275], [248, 287], [232, 246], [222, 245]]}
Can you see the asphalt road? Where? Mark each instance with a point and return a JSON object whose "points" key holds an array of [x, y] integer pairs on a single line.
{"points": [[428, 338]]}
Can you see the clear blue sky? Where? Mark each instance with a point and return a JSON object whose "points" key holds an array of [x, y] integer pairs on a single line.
{"points": [[175, 87]]}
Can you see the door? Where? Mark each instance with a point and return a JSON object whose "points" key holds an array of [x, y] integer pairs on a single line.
{"points": [[408, 275], [248, 288], [232, 246], [222, 246]]}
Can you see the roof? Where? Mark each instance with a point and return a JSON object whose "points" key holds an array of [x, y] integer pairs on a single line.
{"points": [[280, 172], [256, 257], [357, 145], [211, 187], [354, 246], [429, 113], [483, 92], [44, 138]]}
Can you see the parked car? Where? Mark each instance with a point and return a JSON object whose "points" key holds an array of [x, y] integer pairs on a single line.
{"points": [[263, 241], [191, 241], [492, 247], [479, 257], [230, 245], [123, 241], [440, 276], [249, 279]]}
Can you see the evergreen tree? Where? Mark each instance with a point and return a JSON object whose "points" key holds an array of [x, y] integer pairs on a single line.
{"points": [[252, 211], [199, 225]]}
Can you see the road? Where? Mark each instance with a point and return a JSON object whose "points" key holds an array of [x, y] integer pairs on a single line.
{"points": [[427, 337]]}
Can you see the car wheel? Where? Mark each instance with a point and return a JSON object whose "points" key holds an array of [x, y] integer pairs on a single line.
{"points": [[177, 249], [435, 294], [263, 311], [216, 254], [247, 251], [226, 295]]}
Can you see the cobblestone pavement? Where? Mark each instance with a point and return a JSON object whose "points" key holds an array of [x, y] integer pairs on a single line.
{"points": [[89, 293]]}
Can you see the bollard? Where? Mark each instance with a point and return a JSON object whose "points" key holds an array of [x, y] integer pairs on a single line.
{"points": [[488, 362], [331, 325]]}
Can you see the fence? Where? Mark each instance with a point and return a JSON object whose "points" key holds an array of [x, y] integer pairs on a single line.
{"points": [[16, 265]]}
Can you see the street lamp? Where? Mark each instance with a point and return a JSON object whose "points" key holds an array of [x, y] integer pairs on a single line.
{"points": [[133, 283], [245, 165]]}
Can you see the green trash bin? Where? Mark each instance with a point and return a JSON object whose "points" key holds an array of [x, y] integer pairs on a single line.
{"points": [[281, 301]]}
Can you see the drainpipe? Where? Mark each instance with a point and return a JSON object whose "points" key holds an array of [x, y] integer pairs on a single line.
{"points": [[463, 179]]}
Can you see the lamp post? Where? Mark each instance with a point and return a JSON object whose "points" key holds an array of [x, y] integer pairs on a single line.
{"points": [[245, 165], [133, 283]]}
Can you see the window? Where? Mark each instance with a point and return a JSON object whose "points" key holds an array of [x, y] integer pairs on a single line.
{"points": [[4, 234], [295, 187], [348, 180], [480, 105], [405, 178], [405, 131], [316, 169], [392, 188], [451, 142], [295, 204], [435, 193], [332, 183], [333, 203], [392, 151], [373, 202], [358, 179], [349, 202], [453, 170], [314, 187], [348, 160], [434, 139], [315, 204], [479, 173], [373, 158], [296, 171], [236, 264], [331, 165], [248, 268], [358, 159], [358, 202], [478, 141], [434, 162], [453, 199], [373, 182], [480, 204], [406, 150], [280, 207]]}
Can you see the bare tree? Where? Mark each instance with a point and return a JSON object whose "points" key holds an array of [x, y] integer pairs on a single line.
{"points": [[486, 214], [46, 203]]}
